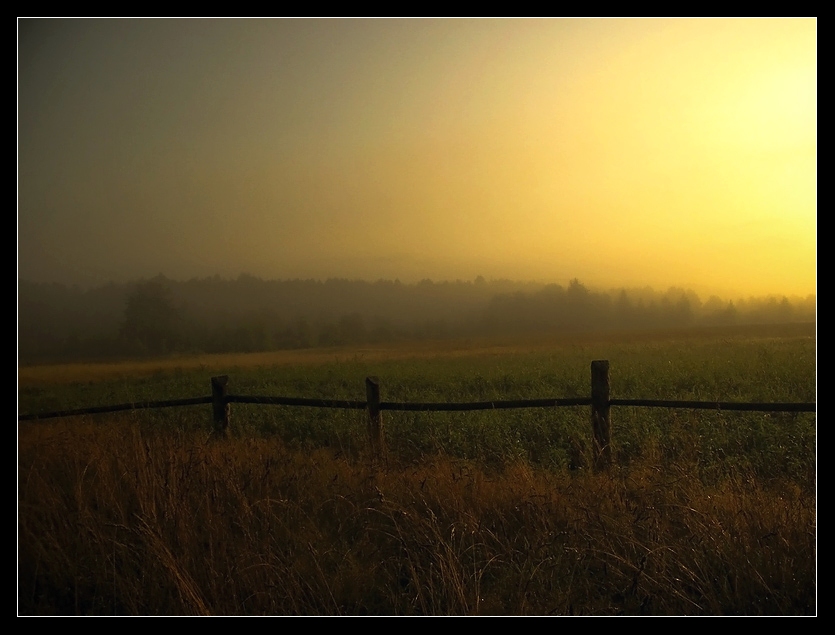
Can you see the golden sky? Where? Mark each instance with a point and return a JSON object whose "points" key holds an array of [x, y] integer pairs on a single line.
{"points": [[621, 152]]}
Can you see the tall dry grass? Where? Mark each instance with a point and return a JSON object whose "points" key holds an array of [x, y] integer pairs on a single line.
{"points": [[119, 517]]}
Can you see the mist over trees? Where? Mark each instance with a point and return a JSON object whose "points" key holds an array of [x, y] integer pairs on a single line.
{"points": [[248, 314]]}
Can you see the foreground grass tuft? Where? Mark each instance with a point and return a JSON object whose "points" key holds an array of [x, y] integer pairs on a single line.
{"points": [[126, 518]]}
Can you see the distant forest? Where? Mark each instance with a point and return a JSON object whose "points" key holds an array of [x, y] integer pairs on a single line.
{"points": [[212, 315]]}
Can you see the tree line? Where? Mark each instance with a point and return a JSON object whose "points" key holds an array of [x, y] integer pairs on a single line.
{"points": [[159, 316]]}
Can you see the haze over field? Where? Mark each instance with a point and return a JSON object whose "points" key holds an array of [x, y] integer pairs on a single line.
{"points": [[621, 152]]}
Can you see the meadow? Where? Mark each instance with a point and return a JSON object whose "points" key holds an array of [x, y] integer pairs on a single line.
{"points": [[492, 512]]}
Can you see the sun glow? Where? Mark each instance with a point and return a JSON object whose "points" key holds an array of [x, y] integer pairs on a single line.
{"points": [[622, 152]]}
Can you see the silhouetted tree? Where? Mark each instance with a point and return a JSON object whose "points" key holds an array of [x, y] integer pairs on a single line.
{"points": [[150, 316]]}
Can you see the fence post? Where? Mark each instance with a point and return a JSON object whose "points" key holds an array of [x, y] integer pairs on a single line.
{"points": [[220, 408], [375, 417], [600, 421]]}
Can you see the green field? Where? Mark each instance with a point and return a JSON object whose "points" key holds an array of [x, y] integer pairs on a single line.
{"points": [[472, 513]]}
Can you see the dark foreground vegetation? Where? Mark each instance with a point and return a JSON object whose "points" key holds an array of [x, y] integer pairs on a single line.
{"points": [[704, 513]]}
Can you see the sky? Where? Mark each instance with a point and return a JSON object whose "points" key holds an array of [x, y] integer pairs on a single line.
{"points": [[622, 152]]}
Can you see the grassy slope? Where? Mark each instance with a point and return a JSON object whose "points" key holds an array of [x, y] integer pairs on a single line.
{"points": [[706, 513]]}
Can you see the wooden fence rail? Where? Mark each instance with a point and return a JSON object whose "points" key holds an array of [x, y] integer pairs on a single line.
{"points": [[599, 401], [718, 405], [134, 405]]}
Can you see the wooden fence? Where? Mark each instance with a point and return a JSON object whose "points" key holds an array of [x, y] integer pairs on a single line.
{"points": [[599, 401]]}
